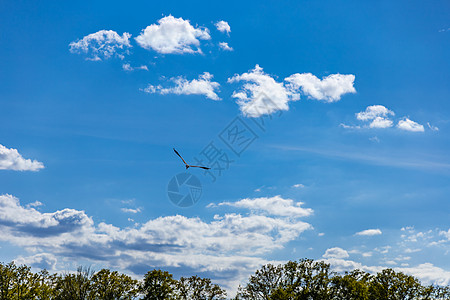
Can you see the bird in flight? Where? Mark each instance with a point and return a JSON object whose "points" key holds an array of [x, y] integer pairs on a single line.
{"points": [[189, 166]]}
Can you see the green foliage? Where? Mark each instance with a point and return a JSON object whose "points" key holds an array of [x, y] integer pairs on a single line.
{"points": [[196, 288], [296, 280], [307, 280], [107, 285], [158, 285]]}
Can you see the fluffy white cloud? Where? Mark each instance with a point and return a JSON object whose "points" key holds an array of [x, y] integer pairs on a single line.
{"points": [[223, 26], [427, 273], [379, 117], [329, 89], [41, 261], [201, 86], [378, 114], [230, 246], [128, 67], [374, 111], [173, 36], [261, 94], [102, 44], [276, 206], [369, 232], [409, 125], [224, 46], [380, 122], [335, 252], [10, 159]]}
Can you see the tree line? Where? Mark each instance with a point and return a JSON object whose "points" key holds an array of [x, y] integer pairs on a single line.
{"points": [[305, 279]]}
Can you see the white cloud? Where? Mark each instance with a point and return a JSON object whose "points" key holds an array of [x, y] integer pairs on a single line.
{"points": [[223, 26], [427, 273], [379, 117], [201, 86], [35, 204], [275, 206], [374, 139], [231, 246], [40, 261], [329, 89], [374, 111], [102, 44], [298, 185], [130, 210], [349, 126], [261, 94], [380, 122], [434, 128], [224, 46], [409, 125], [335, 252], [128, 67], [369, 232], [446, 234], [10, 159], [173, 36]]}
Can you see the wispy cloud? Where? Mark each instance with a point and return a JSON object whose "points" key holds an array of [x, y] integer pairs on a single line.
{"points": [[224, 46], [130, 210], [372, 158], [128, 67], [276, 206], [201, 86], [231, 246], [369, 232]]}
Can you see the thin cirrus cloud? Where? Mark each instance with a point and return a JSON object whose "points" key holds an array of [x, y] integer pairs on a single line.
{"points": [[11, 159], [172, 36], [129, 68], [369, 232], [201, 86], [223, 26], [231, 246], [261, 94], [102, 44]]}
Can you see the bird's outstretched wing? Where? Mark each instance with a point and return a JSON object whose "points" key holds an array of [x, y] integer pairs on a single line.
{"points": [[176, 152], [206, 168]]}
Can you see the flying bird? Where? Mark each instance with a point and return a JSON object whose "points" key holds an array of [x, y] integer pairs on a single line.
{"points": [[189, 166]]}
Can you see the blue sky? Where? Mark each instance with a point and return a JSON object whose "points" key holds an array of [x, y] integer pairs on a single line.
{"points": [[351, 165]]}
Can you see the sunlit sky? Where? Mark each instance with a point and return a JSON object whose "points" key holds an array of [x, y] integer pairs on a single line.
{"points": [[340, 111]]}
